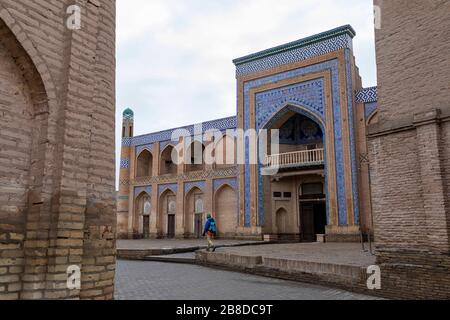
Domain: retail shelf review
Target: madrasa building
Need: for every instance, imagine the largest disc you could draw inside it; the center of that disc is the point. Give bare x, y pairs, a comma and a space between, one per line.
310, 93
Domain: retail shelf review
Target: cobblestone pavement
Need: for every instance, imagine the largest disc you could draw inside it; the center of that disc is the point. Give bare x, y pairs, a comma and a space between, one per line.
337, 253
137, 280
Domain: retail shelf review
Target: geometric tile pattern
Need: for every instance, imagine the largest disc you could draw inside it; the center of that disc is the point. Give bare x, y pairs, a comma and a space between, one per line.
162, 188
308, 93
125, 163
188, 186
367, 95
313, 107
139, 190
188, 176
339, 38
148, 147
369, 109
220, 124
218, 183
353, 159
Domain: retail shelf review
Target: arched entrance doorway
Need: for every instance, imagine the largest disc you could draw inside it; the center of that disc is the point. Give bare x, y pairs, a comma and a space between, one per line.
282, 221
167, 164
167, 215
194, 213
142, 215
225, 207
297, 168
144, 166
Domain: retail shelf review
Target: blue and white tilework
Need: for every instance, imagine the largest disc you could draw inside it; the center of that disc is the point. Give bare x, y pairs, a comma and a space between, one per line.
310, 102
295, 55
188, 186
166, 136
148, 147
163, 187
218, 183
125, 163
354, 167
367, 95
139, 190
369, 109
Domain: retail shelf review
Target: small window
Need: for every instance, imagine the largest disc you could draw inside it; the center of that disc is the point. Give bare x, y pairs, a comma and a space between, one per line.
287, 195
277, 194
312, 189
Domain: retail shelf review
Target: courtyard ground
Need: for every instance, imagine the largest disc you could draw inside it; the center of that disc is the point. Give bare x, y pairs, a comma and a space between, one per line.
139, 249
148, 244
350, 254
141, 280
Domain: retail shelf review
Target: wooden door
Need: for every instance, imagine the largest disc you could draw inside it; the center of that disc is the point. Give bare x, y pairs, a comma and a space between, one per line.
146, 227
171, 226
198, 225
307, 222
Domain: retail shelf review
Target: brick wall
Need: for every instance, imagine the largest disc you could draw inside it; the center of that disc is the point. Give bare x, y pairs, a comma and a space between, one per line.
409, 149
57, 106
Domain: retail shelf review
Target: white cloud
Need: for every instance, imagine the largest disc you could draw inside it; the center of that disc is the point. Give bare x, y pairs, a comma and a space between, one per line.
174, 56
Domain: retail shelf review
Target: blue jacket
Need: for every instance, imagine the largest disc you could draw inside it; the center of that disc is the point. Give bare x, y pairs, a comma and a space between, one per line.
207, 225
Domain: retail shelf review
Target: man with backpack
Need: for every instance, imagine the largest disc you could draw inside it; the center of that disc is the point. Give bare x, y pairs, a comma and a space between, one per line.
210, 232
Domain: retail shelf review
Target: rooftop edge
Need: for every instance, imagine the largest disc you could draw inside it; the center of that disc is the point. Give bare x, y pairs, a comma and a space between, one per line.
347, 29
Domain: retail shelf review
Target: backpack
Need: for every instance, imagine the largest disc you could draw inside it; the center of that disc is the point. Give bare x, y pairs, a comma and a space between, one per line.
213, 226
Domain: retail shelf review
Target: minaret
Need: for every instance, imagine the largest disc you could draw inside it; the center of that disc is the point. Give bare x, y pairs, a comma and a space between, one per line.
123, 198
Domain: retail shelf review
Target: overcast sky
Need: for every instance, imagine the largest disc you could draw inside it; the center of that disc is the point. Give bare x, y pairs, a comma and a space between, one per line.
174, 56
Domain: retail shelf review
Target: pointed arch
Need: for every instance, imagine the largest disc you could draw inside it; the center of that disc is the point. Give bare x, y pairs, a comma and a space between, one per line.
194, 158
143, 211
372, 118
144, 164
26, 111
194, 212
226, 210
167, 210
225, 151
26, 44
281, 218
167, 164
288, 110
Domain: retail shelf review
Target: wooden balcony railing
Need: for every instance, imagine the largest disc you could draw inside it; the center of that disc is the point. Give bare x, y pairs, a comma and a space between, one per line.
296, 159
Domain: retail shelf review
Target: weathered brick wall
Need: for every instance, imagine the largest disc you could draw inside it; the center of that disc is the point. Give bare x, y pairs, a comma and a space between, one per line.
57, 107
409, 149
413, 40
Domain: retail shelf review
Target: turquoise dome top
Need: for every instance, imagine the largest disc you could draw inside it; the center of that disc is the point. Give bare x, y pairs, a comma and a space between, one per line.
128, 114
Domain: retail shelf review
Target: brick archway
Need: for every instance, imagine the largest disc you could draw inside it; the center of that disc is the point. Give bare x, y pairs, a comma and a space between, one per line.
25, 121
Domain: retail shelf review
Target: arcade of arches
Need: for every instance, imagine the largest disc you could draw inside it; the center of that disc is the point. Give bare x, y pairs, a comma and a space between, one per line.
314, 186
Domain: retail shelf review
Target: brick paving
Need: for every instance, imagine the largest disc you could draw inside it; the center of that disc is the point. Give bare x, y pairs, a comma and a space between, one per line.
138, 280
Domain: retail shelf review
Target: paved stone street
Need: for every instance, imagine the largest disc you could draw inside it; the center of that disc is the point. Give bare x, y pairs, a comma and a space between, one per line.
136, 280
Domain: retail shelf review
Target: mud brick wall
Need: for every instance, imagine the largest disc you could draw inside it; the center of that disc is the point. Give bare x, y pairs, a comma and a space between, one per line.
57, 119
410, 149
